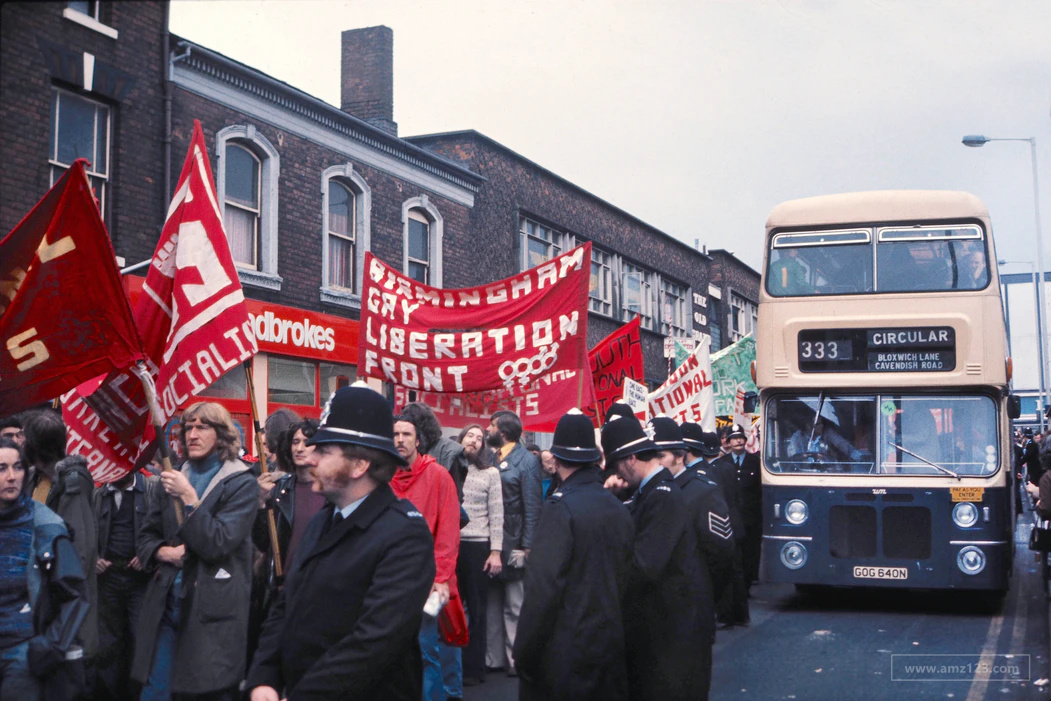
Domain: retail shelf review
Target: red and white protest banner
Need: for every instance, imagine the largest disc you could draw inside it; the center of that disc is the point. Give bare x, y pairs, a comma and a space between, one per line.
613, 359
539, 406
507, 334
688, 395
192, 319
64, 318
744, 420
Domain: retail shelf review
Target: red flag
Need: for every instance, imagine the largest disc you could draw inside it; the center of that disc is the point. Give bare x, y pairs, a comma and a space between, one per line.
503, 335
63, 315
192, 317
615, 357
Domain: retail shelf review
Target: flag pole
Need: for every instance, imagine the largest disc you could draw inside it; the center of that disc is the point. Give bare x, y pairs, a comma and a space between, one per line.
271, 522
158, 427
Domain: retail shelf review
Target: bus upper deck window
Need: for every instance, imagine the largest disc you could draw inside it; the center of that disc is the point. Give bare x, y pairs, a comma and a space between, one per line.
820, 263
931, 259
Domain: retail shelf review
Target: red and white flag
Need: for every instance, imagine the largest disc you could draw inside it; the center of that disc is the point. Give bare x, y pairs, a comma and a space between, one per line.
64, 317
193, 322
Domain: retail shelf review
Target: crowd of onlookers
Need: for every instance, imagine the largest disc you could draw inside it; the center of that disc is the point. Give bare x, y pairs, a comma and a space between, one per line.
1032, 460
301, 574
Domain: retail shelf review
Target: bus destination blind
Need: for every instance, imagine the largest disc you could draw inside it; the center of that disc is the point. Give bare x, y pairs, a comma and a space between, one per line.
895, 349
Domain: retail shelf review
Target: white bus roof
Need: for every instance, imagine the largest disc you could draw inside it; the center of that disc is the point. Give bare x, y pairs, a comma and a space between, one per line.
877, 206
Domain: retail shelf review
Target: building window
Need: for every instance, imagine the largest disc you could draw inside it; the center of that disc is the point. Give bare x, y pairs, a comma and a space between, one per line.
715, 323
291, 382
86, 7
600, 291
340, 231
673, 309
539, 243
346, 205
80, 128
743, 316
333, 376
242, 210
422, 247
247, 176
638, 294
419, 256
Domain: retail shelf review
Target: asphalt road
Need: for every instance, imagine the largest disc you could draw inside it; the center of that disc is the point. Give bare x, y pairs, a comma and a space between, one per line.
848, 644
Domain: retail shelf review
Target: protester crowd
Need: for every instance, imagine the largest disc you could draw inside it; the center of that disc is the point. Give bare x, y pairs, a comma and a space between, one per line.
368, 556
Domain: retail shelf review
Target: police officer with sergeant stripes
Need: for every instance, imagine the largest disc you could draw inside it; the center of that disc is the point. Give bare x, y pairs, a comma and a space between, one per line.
702, 456
708, 510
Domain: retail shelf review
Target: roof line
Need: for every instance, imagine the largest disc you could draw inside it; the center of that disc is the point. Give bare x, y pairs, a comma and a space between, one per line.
556, 176
370, 133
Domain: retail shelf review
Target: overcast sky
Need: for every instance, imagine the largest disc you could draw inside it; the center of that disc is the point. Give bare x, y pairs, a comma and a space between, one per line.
700, 116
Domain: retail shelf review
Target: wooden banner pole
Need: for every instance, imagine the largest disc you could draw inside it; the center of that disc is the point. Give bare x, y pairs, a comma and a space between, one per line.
271, 521
158, 428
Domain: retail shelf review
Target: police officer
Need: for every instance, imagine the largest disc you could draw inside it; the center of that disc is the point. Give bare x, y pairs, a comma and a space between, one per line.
345, 625
668, 622
570, 642
702, 457
746, 466
708, 510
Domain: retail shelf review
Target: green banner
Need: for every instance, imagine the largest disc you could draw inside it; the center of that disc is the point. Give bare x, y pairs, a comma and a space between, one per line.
732, 366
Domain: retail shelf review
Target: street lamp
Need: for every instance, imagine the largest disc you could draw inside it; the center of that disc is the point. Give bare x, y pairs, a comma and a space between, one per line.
977, 141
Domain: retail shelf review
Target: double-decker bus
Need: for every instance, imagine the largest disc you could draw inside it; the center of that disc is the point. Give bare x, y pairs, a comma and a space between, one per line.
884, 382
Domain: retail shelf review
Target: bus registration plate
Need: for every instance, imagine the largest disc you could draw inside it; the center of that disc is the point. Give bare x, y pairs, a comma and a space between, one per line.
861, 572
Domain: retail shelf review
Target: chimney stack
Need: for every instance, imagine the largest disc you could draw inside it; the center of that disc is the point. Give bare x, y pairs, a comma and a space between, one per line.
367, 79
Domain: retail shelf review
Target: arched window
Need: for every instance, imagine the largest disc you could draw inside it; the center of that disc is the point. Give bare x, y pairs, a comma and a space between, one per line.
246, 177
423, 241
346, 204
241, 211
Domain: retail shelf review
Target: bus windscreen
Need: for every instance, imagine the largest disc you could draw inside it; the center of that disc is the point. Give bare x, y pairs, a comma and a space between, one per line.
882, 434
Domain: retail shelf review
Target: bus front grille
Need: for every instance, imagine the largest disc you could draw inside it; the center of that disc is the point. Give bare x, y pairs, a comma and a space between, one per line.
907, 532
852, 531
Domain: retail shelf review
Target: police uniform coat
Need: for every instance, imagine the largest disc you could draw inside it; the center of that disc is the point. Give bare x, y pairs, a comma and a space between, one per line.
217, 580
522, 488
669, 623
345, 625
711, 526
724, 474
570, 641
749, 483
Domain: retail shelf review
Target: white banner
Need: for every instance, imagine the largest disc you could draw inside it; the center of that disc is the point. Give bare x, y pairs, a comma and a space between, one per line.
635, 396
688, 395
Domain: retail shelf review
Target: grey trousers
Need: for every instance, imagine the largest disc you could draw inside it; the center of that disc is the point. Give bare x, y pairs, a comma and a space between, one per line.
502, 609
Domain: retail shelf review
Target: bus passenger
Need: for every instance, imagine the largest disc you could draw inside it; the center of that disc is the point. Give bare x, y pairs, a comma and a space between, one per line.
788, 276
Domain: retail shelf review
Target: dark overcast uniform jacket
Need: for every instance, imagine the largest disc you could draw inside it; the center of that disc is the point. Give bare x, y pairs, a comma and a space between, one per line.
570, 640
669, 625
345, 625
711, 526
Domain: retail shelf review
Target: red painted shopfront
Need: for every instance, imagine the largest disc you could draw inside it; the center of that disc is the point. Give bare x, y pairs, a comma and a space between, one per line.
304, 356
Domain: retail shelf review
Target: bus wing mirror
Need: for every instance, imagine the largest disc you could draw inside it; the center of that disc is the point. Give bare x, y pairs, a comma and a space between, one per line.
750, 400
1014, 406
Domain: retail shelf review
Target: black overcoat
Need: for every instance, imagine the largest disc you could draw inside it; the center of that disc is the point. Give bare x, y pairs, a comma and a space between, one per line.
346, 624
669, 624
217, 580
570, 639
711, 526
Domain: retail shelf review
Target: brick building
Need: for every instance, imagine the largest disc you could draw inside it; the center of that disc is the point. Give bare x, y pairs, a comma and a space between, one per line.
307, 188
733, 303
527, 214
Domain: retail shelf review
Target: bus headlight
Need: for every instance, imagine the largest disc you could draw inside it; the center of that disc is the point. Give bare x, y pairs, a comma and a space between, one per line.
796, 511
965, 514
793, 555
971, 560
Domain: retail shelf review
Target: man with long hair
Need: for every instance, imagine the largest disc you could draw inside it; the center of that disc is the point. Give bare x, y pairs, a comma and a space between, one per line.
193, 626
